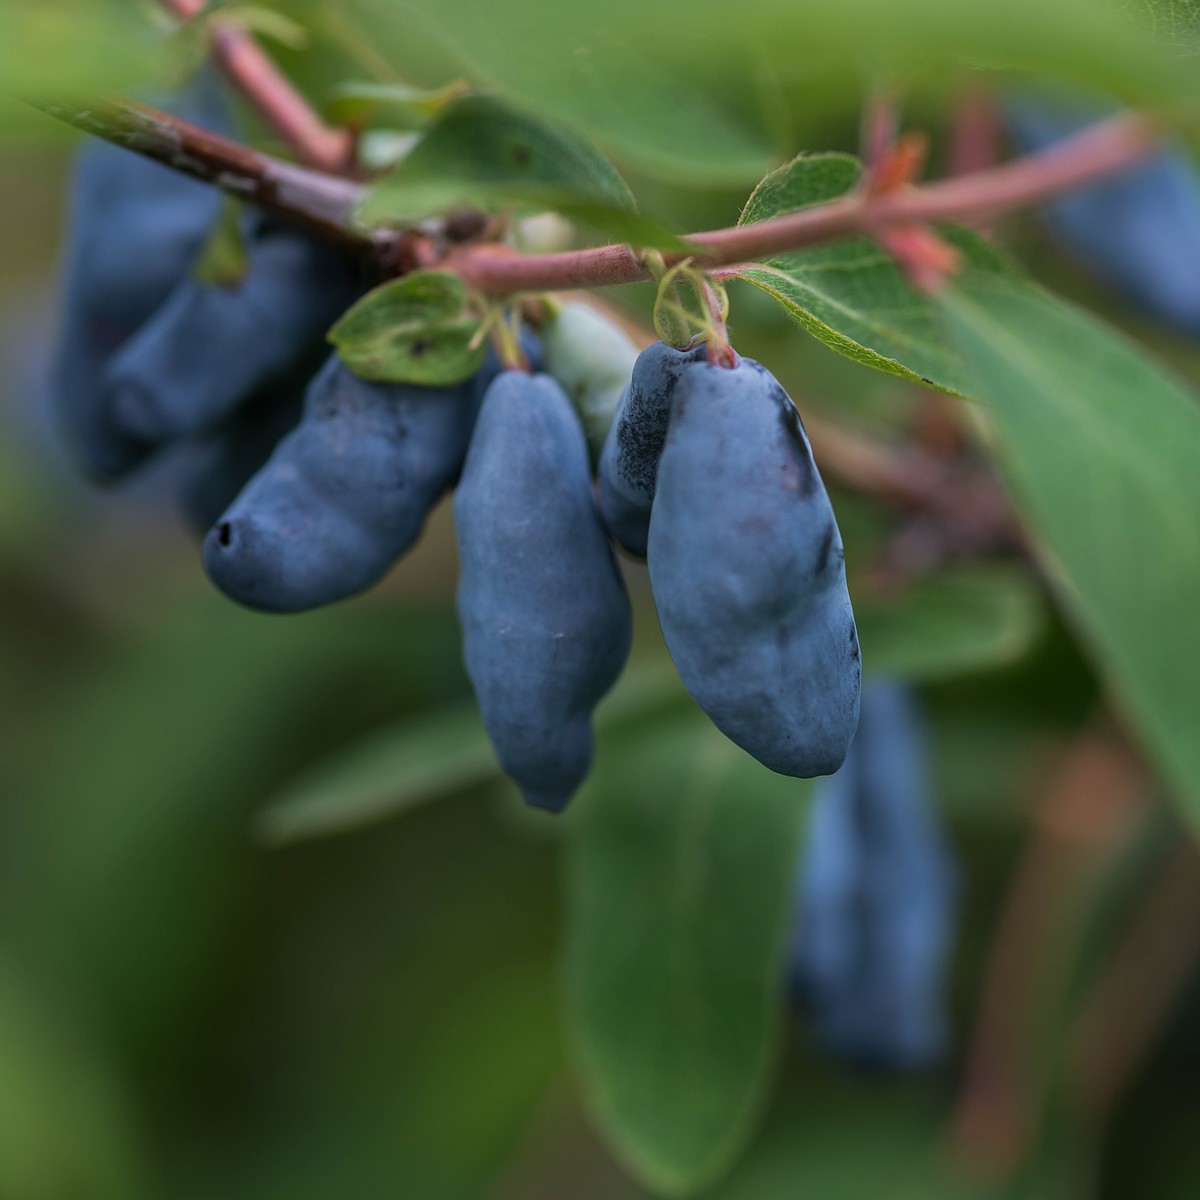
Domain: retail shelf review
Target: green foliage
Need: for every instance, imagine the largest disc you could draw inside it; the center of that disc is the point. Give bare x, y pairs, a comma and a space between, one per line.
222, 259
1099, 445
389, 105
483, 153
430, 757
415, 329
953, 623
66, 1125
679, 884
849, 293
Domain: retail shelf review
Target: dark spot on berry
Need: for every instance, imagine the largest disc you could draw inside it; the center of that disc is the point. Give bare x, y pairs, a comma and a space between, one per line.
224, 533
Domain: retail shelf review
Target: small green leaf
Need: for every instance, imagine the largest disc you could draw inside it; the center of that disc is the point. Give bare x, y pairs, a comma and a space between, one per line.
389, 104
222, 261
483, 153
1101, 449
849, 294
416, 329
679, 885
967, 619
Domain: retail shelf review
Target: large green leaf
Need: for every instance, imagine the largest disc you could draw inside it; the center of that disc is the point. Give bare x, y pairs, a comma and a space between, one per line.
482, 152
679, 885
693, 88
1101, 448
849, 293
967, 619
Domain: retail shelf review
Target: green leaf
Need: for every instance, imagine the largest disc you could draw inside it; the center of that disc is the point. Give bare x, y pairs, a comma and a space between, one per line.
382, 776
849, 294
483, 153
393, 105
679, 885
426, 758
959, 621
222, 261
67, 1127
264, 22
1101, 449
416, 329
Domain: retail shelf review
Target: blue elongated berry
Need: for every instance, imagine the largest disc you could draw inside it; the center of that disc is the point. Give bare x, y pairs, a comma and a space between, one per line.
1139, 231
545, 617
629, 461
134, 228
748, 573
226, 459
876, 898
345, 493
209, 349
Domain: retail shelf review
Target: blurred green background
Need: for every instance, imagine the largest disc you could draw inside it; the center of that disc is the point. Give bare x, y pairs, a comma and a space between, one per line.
197, 1000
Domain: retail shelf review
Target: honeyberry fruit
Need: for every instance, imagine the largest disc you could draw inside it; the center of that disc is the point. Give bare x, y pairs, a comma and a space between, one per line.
545, 617
748, 572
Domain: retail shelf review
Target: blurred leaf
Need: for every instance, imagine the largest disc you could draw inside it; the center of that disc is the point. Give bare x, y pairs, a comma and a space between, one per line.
831, 1137
66, 1128
679, 884
850, 294
427, 758
1102, 451
222, 259
71, 46
268, 23
416, 329
483, 153
967, 619
600, 75
679, 84
146, 767
390, 104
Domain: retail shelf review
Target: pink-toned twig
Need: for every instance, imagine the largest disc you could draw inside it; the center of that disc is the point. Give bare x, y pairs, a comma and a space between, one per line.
283, 107
1108, 147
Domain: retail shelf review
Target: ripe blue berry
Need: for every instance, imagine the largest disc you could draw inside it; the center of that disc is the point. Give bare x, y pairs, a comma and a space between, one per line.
1139, 231
748, 573
629, 461
346, 493
876, 897
209, 349
134, 228
546, 621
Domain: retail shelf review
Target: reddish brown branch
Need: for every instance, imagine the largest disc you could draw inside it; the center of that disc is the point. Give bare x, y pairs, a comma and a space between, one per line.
1095, 805
1105, 148
327, 202
1138, 990
266, 87
323, 203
